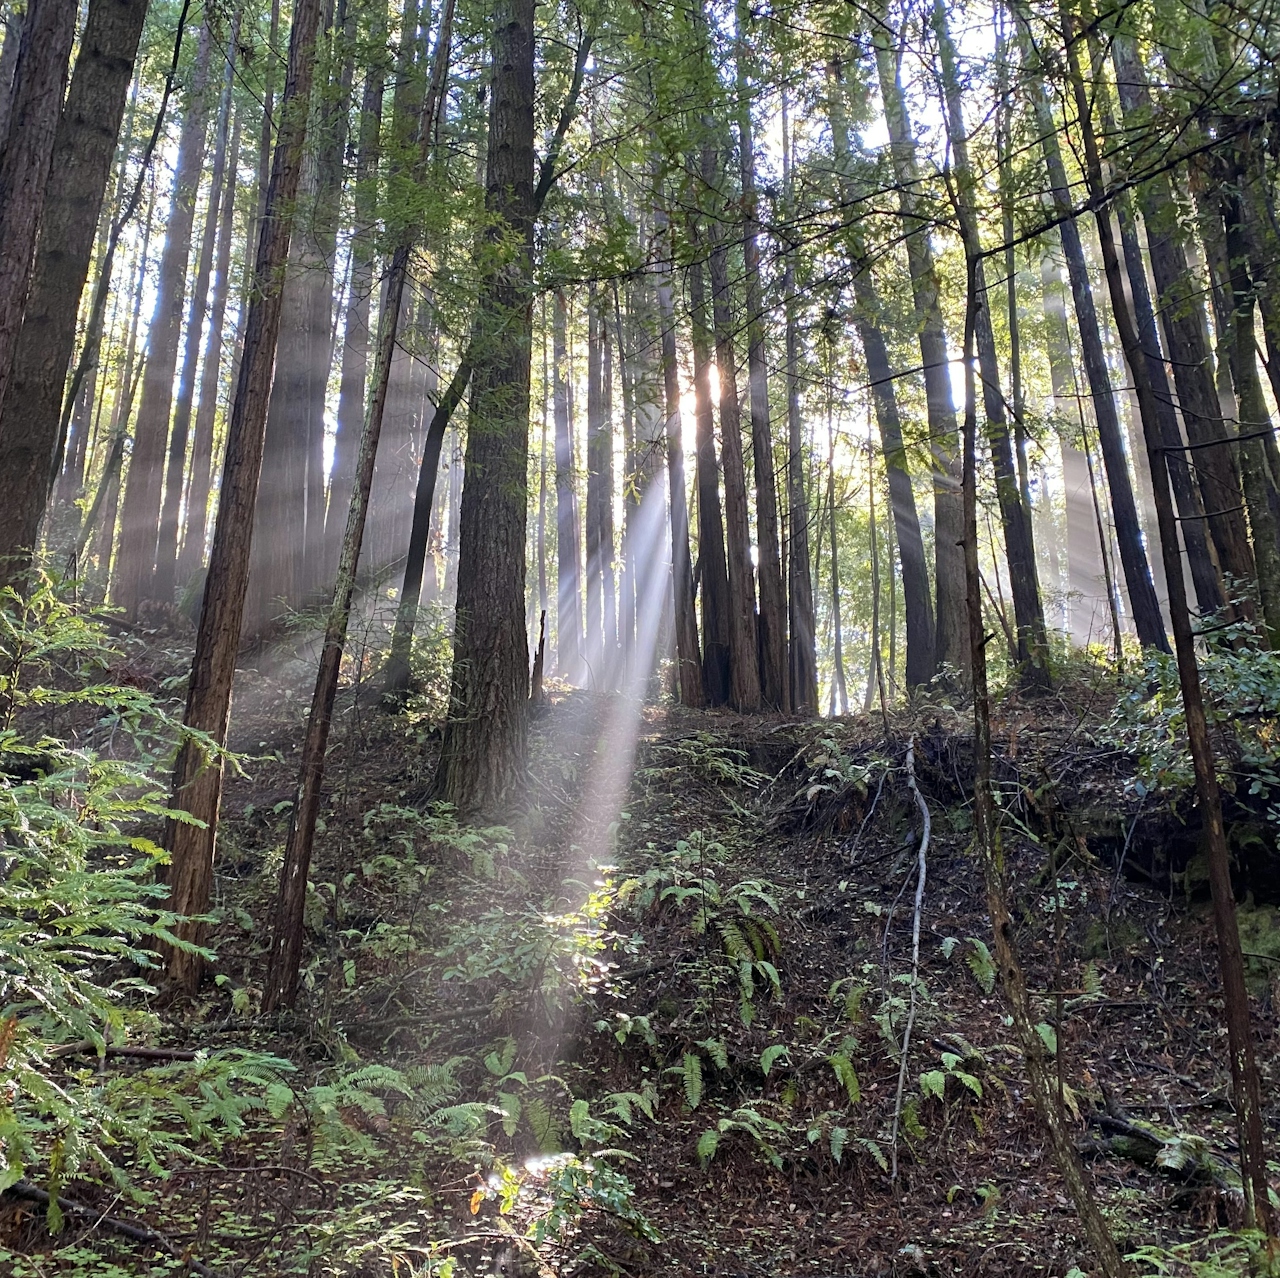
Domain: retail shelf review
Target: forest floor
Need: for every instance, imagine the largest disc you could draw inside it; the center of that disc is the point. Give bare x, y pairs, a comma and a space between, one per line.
693, 948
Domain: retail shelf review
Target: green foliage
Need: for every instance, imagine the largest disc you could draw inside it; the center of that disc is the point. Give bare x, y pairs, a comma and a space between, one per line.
1222, 1255
1241, 682
981, 964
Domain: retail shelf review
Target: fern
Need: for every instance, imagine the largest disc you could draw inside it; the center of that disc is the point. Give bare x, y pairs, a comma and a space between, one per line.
982, 965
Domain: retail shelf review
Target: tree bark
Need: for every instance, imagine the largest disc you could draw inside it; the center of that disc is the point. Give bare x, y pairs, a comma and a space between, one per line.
744, 665
191, 557
482, 763
286, 944
355, 348
1032, 649
712, 571
197, 780
950, 646
1137, 571
170, 512
772, 618
921, 663
802, 666
396, 676
568, 556
689, 662
143, 491
1254, 420
83, 149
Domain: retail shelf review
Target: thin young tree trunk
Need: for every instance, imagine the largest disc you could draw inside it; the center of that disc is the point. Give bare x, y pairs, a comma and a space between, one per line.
143, 491
191, 557
167, 544
712, 571
355, 348
78, 168
197, 779
802, 666
568, 558
772, 619
397, 675
1255, 419
540, 535
689, 662
839, 689
986, 842
598, 439
950, 647
286, 943
918, 603
1032, 652
1137, 572
873, 647
1235, 996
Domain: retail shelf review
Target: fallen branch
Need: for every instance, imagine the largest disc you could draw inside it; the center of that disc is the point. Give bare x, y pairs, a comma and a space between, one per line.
142, 1053
126, 1229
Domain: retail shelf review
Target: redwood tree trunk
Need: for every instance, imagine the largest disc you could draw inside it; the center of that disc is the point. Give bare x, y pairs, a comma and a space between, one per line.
1133, 558
744, 665
197, 779
482, 762
917, 600
712, 571
568, 556
950, 647
191, 557
83, 148
167, 543
772, 620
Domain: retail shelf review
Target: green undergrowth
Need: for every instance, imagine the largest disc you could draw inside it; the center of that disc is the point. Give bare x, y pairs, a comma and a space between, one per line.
558, 1030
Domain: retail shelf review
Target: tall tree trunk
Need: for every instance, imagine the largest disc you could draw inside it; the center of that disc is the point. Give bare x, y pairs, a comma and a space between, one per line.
286, 943
712, 571
744, 665
167, 544
917, 600
482, 762
355, 347
140, 509
839, 689
13, 24
1255, 421
80, 164
197, 779
772, 619
987, 844
1032, 651
1133, 558
568, 556
689, 663
950, 646
1244, 1072
396, 676
40, 76
599, 440
191, 557
802, 665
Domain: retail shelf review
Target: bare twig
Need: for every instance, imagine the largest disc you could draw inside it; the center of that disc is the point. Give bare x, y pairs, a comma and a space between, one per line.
126, 1229
915, 950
